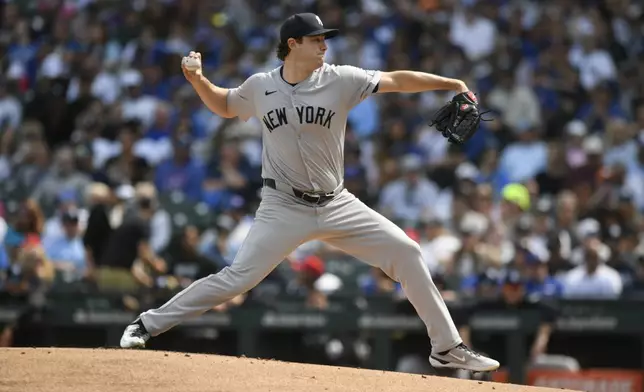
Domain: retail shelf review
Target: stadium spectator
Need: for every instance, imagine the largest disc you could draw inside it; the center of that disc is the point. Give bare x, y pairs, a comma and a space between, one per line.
595, 64
25, 228
411, 196
28, 156
62, 176
160, 224
128, 254
468, 22
66, 250
30, 274
181, 172
229, 173
593, 278
551, 180
438, 245
634, 181
98, 229
242, 217
313, 282
539, 283
214, 242
518, 104
127, 163
184, 260
524, 158
66, 200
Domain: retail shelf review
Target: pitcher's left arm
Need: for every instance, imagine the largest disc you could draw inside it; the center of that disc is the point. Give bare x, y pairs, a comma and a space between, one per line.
416, 82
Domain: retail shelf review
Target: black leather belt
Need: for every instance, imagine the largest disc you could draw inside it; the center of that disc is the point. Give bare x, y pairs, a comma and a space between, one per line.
313, 198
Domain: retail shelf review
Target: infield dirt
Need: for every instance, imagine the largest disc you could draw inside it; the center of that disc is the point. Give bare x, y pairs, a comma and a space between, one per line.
112, 370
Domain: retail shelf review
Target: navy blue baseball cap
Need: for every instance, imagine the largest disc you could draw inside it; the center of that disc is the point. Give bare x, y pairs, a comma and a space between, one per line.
513, 277
304, 25
71, 215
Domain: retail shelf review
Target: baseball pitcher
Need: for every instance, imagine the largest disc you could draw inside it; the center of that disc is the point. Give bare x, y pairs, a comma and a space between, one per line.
303, 107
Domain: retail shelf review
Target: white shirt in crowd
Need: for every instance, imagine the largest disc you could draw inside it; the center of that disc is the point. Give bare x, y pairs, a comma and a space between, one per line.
434, 145
142, 108
53, 227
461, 34
237, 237
10, 111
105, 87
439, 252
635, 185
3, 229
623, 154
154, 151
160, 230
604, 283
518, 105
594, 67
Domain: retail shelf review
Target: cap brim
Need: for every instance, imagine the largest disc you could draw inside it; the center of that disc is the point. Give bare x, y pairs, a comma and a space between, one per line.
328, 33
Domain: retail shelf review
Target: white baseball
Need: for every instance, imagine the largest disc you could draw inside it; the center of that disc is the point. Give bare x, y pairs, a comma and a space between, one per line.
191, 63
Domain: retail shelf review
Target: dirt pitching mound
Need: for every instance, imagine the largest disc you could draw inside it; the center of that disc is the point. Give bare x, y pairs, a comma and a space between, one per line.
112, 370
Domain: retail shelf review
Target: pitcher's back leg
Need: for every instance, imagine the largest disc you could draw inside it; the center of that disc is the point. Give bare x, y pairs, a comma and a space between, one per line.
358, 230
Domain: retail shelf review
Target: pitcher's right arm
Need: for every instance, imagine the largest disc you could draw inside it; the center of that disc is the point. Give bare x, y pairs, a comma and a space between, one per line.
224, 102
214, 97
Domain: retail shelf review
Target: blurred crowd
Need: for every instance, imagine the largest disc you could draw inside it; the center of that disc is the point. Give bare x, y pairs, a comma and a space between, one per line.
114, 174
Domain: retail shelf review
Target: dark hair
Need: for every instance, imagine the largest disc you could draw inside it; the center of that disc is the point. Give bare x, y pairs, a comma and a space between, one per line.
34, 218
146, 203
283, 50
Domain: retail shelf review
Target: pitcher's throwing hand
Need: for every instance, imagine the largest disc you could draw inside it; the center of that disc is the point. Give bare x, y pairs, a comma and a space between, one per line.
191, 66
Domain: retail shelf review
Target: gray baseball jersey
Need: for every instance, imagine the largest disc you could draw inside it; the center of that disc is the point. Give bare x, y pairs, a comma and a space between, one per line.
303, 137
304, 125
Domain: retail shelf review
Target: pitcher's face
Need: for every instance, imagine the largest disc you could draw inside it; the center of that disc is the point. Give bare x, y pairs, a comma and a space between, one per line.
311, 50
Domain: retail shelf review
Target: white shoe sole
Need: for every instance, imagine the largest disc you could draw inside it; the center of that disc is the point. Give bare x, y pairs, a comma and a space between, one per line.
451, 365
133, 345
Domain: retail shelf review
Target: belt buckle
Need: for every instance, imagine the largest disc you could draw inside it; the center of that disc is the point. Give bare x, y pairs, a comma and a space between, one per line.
313, 196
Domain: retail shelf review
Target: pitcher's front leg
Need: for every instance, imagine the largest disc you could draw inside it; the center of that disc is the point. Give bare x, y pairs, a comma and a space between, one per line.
278, 229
